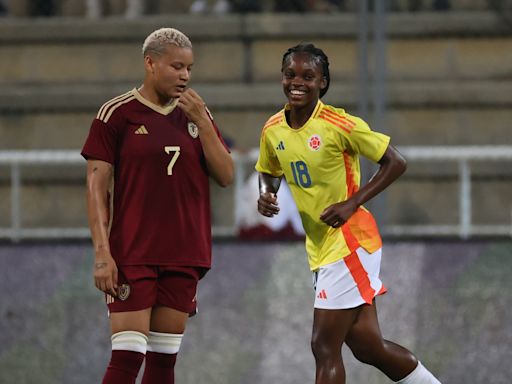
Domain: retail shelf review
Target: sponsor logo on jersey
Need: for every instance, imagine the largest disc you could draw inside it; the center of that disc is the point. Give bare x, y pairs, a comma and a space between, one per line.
280, 146
322, 295
315, 142
123, 292
193, 130
141, 130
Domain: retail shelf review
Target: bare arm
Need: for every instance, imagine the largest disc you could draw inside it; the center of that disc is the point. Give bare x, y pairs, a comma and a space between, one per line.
99, 174
218, 159
267, 202
392, 165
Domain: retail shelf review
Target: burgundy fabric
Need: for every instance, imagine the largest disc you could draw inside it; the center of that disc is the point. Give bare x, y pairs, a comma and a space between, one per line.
123, 367
159, 219
149, 286
159, 368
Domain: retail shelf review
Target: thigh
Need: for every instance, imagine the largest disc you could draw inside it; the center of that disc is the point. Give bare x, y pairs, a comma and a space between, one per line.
330, 326
365, 332
168, 320
131, 321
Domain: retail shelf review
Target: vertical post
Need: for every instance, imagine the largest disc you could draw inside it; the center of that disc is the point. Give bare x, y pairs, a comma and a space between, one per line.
379, 95
465, 199
379, 91
362, 59
15, 202
247, 75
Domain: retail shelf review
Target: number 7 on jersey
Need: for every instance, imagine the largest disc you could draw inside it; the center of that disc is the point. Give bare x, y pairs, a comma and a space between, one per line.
176, 153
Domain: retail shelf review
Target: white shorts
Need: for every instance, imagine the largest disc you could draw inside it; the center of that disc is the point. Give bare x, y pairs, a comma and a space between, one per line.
350, 282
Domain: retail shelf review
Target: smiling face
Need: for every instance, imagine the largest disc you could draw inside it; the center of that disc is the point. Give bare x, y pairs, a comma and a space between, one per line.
302, 80
169, 72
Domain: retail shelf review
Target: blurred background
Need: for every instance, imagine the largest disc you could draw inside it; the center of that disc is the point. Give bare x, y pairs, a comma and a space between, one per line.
435, 75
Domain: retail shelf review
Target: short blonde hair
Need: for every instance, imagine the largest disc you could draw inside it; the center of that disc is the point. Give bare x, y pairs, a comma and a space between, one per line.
158, 40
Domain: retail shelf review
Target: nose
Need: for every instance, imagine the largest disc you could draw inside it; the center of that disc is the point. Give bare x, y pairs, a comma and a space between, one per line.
296, 81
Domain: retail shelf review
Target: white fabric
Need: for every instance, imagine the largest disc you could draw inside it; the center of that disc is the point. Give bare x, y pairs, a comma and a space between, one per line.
129, 341
164, 342
248, 216
420, 375
335, 288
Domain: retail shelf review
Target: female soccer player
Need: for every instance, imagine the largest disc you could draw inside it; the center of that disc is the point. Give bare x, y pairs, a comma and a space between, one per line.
155, 146
316, 148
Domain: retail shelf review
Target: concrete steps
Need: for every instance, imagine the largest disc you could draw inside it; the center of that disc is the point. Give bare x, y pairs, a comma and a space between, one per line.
449, 83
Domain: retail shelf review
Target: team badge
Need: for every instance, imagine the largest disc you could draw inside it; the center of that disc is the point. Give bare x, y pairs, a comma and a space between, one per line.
314, 142
193, 130
123, 292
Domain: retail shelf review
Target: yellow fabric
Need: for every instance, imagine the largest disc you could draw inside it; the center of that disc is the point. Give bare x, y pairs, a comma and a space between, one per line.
320, 162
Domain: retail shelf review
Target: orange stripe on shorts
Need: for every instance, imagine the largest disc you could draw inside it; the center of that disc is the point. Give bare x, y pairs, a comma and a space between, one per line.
360, 277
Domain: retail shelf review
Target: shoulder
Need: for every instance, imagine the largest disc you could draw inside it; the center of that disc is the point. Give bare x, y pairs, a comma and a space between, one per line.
339, 119
112, 106
274, 121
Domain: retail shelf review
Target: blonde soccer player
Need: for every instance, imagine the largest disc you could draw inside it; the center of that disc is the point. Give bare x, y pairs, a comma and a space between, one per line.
157, 145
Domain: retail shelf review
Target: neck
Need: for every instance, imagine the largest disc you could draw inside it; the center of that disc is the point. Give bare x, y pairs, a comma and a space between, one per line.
150, 94
300, 116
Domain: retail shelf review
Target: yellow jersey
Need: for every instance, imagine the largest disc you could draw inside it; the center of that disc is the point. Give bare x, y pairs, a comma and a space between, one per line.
320, 162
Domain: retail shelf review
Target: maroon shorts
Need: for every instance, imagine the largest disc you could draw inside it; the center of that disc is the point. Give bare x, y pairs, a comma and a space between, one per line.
146, 286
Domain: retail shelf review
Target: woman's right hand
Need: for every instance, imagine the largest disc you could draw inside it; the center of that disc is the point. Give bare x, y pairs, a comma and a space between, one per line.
105, 273
267, 204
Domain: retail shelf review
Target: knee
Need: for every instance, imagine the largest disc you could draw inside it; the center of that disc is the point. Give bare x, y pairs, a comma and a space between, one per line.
321, 348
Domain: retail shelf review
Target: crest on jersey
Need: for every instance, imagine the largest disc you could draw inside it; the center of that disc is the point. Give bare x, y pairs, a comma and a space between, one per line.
314, 142
123, 292
193, 130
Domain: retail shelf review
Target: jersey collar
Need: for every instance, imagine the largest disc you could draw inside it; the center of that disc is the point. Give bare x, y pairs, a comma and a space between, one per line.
154, 107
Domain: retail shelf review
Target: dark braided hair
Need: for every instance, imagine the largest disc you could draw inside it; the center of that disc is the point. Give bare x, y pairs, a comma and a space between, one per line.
318, 56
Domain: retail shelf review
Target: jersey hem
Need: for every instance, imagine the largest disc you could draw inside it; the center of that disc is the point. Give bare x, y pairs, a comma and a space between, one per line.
159, 263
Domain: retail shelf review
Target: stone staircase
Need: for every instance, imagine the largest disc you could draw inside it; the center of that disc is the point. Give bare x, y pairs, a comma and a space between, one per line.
449, 83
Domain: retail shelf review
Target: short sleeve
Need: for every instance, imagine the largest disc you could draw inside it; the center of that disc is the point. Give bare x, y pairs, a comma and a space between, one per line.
267, 159
101, 142
362, 140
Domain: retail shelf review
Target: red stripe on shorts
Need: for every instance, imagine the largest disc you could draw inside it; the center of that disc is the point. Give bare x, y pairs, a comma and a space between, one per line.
360, 277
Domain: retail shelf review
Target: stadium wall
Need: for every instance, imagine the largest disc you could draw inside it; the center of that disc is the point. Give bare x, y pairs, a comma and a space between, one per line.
448, 301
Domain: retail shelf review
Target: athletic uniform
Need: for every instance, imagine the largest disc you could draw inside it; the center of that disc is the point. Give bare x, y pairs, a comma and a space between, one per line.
160, 234
320, 162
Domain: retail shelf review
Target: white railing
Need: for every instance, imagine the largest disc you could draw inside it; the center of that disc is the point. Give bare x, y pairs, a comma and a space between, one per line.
463, 156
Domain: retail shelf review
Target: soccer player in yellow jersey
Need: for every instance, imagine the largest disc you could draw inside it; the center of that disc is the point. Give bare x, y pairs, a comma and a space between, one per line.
316, 148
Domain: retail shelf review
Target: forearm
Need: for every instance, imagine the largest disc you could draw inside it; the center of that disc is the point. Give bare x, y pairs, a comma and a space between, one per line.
268, 183
98, 211
392, 166
219, 161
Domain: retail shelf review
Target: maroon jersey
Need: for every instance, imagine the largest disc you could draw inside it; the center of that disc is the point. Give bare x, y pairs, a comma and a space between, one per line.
161, 199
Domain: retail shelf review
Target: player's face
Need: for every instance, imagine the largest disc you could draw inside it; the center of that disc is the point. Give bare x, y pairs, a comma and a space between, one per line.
171, 71
302, 80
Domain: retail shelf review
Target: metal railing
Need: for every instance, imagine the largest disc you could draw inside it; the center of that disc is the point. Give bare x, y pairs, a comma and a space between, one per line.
463, 156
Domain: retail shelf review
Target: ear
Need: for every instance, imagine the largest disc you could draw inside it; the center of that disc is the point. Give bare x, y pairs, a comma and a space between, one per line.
323, 83
149, 64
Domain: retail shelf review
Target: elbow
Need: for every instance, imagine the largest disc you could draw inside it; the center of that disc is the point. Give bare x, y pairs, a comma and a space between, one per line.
227, 177
225, 182
402, 165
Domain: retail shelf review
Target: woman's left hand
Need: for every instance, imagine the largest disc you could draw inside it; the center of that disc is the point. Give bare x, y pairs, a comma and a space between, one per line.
337, 214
